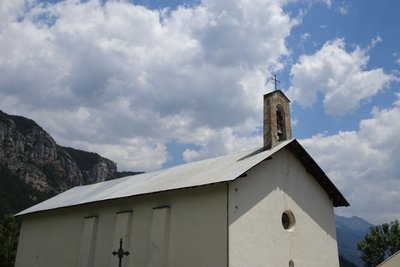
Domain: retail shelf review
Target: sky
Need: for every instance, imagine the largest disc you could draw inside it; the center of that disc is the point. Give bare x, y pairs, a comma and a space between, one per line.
153, 84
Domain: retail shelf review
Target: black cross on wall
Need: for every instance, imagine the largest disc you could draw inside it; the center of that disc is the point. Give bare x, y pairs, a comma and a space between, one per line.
120, 253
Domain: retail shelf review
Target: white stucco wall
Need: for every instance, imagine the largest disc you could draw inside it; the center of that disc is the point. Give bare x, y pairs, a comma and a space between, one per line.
197, 230
256, 204
393, 261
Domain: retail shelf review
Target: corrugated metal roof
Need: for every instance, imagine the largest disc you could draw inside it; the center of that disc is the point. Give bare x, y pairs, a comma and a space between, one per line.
210, 171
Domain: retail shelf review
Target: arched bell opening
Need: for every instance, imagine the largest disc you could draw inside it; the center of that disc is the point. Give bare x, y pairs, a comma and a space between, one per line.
280, 123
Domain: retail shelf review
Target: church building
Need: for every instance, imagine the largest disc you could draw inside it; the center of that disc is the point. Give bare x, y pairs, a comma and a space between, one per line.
270, 206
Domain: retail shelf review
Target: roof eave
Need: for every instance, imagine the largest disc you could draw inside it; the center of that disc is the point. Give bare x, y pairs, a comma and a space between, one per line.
313, 168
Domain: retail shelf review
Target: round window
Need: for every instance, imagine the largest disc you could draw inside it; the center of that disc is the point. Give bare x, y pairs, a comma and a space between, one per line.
288, 220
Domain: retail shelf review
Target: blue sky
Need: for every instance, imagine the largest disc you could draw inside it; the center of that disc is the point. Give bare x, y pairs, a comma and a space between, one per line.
152, 84
358, 23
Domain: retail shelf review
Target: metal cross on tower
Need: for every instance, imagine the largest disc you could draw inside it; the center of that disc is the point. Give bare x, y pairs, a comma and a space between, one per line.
120, 253
276, 81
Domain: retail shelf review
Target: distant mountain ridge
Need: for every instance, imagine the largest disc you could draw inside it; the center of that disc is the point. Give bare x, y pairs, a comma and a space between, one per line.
343, 262
34, 167
349, 231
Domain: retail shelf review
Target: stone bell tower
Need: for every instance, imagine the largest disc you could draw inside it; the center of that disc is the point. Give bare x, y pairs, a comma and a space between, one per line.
277, 126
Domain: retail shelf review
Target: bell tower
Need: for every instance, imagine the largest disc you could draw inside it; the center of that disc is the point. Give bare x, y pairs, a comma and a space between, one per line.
277, 127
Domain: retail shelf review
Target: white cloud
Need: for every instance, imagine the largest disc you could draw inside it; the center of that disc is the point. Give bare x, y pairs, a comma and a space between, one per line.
343, 8
365, 164
397, 58
115, 77
340, 76
221, 142
304, 37
327, 2
375, 41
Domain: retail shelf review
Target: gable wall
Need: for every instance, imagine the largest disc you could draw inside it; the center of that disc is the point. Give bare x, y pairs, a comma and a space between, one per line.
393, 261
192, 231
256, 204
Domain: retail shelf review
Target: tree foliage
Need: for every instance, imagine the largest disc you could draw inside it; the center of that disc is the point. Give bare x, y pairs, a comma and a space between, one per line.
9, 233
381, 242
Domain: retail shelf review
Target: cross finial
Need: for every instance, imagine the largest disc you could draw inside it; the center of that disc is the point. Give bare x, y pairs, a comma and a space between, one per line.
120, 253
276, 81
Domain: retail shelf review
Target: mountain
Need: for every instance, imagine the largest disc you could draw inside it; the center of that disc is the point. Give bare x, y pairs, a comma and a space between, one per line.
345, 263
33, 167
349, 231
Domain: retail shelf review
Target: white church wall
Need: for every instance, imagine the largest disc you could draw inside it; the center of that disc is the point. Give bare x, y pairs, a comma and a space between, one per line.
122, 230
88, 242
201, 238
256, 204
159, 237
49, 239
197, 231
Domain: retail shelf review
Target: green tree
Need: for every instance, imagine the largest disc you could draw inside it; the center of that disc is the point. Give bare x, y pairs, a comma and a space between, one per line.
381, 242
9, 232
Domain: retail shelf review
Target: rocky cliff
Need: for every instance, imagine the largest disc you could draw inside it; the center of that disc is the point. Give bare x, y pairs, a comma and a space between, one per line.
30, 153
